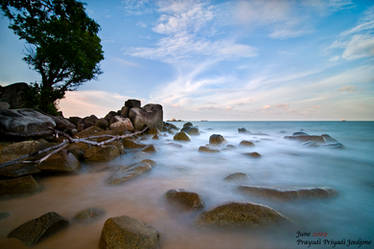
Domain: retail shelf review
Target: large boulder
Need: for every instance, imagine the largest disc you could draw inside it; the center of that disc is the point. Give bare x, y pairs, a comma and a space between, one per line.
129, 144
25, 123
63, 124
184, 199
18, 186
102, 123
34, 230
287, 194
315, 140
181, 136
241, 214
15, 94
125, 173
216, 139
128, 233
132, 103
87, 122
122, 124
64, 161
150, 115
102, 153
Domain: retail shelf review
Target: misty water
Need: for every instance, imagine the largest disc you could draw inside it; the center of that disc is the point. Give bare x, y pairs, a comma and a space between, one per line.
284, 164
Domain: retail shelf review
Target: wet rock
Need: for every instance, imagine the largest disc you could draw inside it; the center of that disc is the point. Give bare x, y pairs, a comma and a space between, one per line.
125, 173
188, 124
122, 124
150, 115
89, 214
128, 144
307, 193
315, 141
306, 138
207, 149
90, 131
253, 154
300, 133
230, 146
149, 148
193, 131
75, 120
18, 186
181, 136
124, 232
63, 161
216, 139
152, 131
19, 169
170, 126
25, 123
102, 153
246, 143
184, 199
236, 177
175, 145
242, 130
241, 214
102, 123
132, 103
34, 230
155, 137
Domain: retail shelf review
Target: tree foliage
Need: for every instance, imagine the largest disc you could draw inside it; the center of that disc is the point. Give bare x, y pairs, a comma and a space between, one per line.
63, 45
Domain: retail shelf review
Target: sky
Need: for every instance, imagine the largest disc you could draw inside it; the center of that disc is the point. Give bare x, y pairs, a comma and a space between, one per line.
224, 60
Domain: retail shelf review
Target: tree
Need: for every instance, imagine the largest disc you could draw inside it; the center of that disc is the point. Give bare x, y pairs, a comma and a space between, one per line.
63, 45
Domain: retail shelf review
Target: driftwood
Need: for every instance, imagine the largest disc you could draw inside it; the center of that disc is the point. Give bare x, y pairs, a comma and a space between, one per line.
56, 148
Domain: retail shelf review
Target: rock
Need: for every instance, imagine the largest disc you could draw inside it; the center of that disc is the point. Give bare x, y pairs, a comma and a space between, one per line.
16, 95
4, 105
184, 199
25, 123
306, 138
230, 146
155, 137
102, 153
300, 133
102, 123
19, 169
207, 149
241, 214
75, 120
34, 230
246, 143
63, 161
125, 173
128, 233
193, 131
288, 194
188, 124
181, 136
4, 215
170, 126
89, 214
15, 150
216, 139
132, 103
253, 154
149, 148
122, 125
90, 131
152, 131
63, 124
128, 144
110, 117
17, 186
236, 176
315, 141
125, 111
88, 121
175, 145
150, 115
242, 130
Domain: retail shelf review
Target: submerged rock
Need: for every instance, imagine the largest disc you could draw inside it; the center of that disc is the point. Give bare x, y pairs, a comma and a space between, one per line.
236, 176
253, 154
32, 231
17, 186
184, 199
125, 173
63, 161
193, 131
216, 139
207, 149
246, 143
288, 194
89, 214
181, 136
241, 214
128, 233
315, 141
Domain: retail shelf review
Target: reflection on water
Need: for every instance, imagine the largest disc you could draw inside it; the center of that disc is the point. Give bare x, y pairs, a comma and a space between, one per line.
284, 164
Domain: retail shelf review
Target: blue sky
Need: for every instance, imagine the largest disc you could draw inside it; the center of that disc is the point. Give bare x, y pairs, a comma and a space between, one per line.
225, 60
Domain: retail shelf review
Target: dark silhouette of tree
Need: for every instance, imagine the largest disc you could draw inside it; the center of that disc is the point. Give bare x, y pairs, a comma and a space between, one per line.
63, 45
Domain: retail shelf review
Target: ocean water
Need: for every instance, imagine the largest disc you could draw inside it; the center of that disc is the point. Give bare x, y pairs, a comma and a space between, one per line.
284, 164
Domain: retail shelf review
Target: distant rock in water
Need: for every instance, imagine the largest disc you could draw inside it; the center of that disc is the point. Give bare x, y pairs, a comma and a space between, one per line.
216, 139
125, 232
181, 136
315, 141
246, 143
253, 154
184, 199
241, 215
307, 193
242, 130
149, 148
207, 149
34, 230
236, 176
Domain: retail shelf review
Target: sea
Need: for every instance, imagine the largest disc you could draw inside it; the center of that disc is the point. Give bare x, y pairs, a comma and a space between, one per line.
343, 221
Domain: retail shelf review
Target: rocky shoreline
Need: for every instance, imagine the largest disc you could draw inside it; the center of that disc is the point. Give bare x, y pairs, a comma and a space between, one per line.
91, 139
